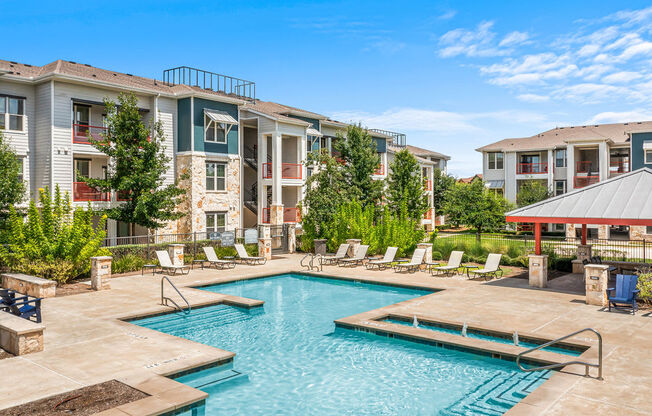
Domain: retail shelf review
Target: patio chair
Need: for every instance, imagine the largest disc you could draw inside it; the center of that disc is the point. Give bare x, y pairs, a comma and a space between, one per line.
213, 260
624, 294
166, 263
247, 259
491, 267
358, 258
385, 262
334, 258
414, 264
454, 263
26, 307
598, 260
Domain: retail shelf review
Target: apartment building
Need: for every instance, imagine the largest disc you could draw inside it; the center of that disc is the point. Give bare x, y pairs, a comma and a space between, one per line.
567, 158
244, 158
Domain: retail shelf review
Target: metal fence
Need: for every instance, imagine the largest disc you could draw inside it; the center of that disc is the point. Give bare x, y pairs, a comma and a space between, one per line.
615, 250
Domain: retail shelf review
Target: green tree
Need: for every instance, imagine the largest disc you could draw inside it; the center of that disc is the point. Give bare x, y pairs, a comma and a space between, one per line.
532, 192
473, 205
12, 188
405, 184
441, 183
136, 168
358, 151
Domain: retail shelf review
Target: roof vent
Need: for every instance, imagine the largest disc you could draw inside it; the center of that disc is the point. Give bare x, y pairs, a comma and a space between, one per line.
73, 62
87, 65
115, 75
14, 62
129, 75
27, 65
94, 76
626, 124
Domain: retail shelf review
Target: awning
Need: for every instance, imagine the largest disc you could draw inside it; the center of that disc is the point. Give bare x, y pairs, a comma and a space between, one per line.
313, 132
220, 117
495, 184
647, 145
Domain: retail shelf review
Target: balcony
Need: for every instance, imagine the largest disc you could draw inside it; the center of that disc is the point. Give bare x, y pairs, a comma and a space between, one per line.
288, 171
266, 216
82, 192
428, 215
380, 170
618, 167
586, 166
81, 133
428, 185
531, 168
290, 215
582, 181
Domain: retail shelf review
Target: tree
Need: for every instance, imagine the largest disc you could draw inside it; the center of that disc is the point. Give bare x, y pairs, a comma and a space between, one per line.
12, 188
473, 205
358, 151
532, 192
441, 183
136, 167
405, 184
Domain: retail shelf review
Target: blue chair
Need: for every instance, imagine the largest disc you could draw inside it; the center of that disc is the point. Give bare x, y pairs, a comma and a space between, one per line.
624, 294
22, 306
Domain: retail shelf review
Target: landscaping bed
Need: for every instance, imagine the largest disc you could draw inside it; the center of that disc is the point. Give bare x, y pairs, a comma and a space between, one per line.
81, 402
5, 354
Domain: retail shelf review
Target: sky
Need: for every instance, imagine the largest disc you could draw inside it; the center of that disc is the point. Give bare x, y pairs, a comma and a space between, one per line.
452, 75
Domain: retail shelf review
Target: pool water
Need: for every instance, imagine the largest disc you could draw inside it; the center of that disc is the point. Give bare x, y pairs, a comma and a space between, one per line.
291, 360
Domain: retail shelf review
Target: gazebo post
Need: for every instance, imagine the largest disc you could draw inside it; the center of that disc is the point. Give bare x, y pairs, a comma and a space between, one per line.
584, 234
537, 238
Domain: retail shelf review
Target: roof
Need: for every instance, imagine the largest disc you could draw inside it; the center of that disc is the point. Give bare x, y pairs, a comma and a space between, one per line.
93, 74
560, 136
470, 179
419, 151
281, 112
622, 200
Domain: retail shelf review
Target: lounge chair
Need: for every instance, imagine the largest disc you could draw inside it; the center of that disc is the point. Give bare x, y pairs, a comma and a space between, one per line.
246, 258
213, 260
598, 260
26, 307
166, 264
414, 264
358, 258
624, 294
385, 262
454, 263
491, 267
334, 258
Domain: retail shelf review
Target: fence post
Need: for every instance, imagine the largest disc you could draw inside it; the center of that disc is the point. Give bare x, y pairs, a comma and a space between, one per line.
644, 258
194, 244
147, 255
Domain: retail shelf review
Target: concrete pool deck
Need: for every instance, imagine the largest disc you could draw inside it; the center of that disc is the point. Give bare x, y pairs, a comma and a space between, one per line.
87, 341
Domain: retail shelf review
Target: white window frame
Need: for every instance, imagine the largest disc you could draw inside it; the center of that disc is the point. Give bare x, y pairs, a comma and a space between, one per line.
648, 160
565, 162
6, 116
21, 160
495, 161
221, 126
215, 176
565, 187
74, 167
215, 228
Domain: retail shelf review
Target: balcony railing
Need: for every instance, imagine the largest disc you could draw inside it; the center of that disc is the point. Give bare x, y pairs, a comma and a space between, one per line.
380, 170
82, 132
585, 166
267, 171
428, 215
582, 181
82, 192
288, 171
225, 84
291, 214
532, 168
617, 167
266, 216
428, 185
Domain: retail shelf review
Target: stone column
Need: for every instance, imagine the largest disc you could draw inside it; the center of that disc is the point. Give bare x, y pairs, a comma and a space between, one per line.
292, 238
428, 246
603, 232
265, 247
176, 254
538, 266
584, 252
596, 277
320, 246
101, 272
265, 231
354, 243
276, 214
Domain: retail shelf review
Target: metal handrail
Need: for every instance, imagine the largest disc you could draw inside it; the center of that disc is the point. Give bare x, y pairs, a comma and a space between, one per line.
311, 264
554, 341
165, 299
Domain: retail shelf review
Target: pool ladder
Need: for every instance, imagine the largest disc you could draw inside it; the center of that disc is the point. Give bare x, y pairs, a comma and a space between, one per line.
308, 261
554, 341
165, 299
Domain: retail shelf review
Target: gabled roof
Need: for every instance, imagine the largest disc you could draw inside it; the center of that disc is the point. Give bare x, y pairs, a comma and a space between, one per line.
622, 200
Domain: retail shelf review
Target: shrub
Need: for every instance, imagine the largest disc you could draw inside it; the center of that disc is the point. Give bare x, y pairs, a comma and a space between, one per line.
127, 263
645, 286
436, 255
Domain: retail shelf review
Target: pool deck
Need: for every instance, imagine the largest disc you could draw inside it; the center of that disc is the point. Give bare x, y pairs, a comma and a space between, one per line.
87, 341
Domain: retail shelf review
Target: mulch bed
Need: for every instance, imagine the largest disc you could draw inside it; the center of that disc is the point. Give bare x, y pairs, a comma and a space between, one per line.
81, 402
4, 354
73, 288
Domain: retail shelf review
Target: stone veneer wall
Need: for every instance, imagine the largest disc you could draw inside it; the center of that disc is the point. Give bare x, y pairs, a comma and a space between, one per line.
637, 232
198, 201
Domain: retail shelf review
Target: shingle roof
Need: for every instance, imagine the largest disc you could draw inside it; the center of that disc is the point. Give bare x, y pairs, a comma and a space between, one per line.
559, 136
419, 151
624, 197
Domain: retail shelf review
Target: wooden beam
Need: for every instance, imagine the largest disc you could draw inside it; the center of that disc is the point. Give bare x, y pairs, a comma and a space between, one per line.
584, 233
537, 238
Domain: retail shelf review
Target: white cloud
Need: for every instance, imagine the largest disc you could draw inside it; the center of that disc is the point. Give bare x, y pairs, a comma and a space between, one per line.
620, 117
620, 77
514, 38
448, 15
533, 98
476, 42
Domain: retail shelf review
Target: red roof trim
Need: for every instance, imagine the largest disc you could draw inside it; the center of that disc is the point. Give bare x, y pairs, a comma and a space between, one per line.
563, 220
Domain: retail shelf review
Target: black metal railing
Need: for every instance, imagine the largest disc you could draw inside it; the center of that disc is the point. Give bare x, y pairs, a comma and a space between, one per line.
400, 139
193, 77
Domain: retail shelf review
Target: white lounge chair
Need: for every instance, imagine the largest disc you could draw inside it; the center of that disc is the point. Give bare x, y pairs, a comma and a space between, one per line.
358, 258
385, 262
334, 258
246, 258
213, 260
166, 263
491, 267
414, 264
454, 263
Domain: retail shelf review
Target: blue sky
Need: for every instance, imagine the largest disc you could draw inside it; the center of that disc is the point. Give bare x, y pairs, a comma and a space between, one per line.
452, 75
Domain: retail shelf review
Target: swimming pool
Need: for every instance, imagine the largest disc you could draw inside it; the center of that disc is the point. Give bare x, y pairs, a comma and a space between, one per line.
291, 360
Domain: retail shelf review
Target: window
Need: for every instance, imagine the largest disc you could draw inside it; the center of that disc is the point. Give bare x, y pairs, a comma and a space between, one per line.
215, 176
214, 132
648, 229
12, 113
82, 168
560, 187
215, 222
495, 160
648, 157
560, 158
560, 227
21, 175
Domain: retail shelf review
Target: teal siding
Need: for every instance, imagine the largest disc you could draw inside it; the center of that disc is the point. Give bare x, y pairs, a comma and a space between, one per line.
381, 144
183, 125
313, 121
231, 145
638, 154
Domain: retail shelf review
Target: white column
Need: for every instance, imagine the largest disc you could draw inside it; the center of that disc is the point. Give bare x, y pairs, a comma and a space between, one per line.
603, 160
570, 168
277, 168
262, 158
551, 168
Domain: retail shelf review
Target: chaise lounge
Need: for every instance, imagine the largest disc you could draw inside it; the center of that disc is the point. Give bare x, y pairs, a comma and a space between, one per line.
213, 260
414, 264
454, 263
244, 257
334, 258
491, 267
385, 262
166, 264
358, 258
